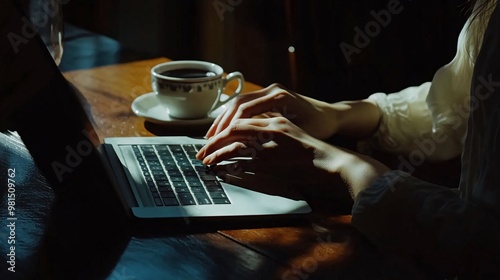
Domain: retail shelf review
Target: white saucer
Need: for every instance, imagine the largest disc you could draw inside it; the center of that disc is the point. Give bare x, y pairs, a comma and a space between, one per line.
148, 107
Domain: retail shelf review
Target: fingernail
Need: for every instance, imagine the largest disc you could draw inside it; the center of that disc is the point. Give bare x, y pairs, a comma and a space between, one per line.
207, 160
199, 155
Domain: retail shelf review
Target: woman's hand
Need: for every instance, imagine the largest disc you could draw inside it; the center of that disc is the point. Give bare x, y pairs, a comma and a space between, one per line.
316, 118
280, 151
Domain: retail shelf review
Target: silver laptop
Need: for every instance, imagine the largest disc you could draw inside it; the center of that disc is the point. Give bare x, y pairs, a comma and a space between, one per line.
159, 177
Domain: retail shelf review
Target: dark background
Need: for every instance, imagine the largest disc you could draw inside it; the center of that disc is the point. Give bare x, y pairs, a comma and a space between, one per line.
253, 37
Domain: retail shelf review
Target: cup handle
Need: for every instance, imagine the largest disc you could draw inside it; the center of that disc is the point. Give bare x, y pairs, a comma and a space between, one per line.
231, 76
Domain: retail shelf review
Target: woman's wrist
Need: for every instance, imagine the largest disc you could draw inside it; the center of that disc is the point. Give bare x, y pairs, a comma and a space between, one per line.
356, 119
361, 171
325, 118
356, 170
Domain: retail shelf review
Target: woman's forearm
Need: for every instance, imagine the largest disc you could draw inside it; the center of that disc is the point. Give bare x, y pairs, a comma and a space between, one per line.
356, 119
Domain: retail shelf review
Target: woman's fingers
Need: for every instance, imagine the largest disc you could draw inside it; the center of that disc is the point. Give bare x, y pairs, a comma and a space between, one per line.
233, 141
245, 107
263, 138
215, 124
249, 105
230, 111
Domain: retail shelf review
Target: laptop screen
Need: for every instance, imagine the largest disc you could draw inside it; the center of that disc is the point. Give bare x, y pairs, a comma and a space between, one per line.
38, 102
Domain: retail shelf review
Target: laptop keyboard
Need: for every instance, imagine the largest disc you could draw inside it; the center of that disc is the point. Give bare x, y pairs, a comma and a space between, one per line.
175, 177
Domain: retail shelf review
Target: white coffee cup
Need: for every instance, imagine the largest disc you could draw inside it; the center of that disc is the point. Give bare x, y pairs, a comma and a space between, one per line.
191, 89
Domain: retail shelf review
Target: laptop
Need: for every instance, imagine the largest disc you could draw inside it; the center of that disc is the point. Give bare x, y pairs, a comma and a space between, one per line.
154, 177
159, 177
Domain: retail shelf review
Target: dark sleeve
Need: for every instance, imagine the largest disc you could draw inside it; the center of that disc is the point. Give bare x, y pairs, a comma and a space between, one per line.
403, 214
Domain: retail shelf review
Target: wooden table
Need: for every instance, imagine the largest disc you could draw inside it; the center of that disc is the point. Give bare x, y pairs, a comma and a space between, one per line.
325, 247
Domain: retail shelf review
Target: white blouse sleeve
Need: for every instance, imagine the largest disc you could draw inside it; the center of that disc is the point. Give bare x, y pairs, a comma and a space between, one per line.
429, 120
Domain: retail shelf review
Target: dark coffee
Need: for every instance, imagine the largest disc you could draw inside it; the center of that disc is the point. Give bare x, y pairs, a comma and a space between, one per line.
187, 73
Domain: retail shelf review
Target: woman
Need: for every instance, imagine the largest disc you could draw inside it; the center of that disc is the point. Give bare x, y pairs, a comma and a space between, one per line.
455, 231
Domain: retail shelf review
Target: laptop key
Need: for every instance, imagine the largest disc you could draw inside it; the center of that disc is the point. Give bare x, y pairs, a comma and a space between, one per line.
179, 156
195, 184
165, 158
154, 163
187, 168
167, 194
174, 173
161, 147
192, 155
165, 189
148, 154
169, 162
179, 184
175, 148
171, 167
208, 178
218, 194
202, 168
182, 190
156, 168
221, 201
155, 194
184, 163
197, 189
212, 184
161, 177
215, 189
202, 198
170, 201
163, 183
176, 179
188, 147
193, 178
206, 172
186, 199
151, 159
189, 173
197, 163
158, 201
